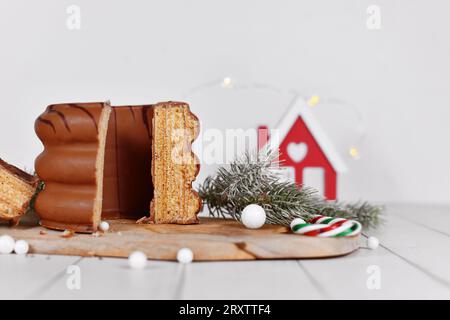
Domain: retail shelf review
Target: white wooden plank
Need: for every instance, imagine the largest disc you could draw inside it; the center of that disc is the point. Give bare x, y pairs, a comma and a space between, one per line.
433, 217
421, 247
28, 277
347, 277
247, 280
112, 279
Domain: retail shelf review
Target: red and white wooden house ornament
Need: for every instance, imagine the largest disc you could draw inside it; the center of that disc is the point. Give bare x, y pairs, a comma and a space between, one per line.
308, 156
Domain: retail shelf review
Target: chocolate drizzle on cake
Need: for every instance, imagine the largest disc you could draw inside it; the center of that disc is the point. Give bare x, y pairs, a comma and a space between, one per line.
82, 108
51, 109
47, 122
131, 108
145, 114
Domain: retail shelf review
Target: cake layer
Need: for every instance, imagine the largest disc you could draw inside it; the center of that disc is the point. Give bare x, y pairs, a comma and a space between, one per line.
174, 166
64, 124
17, 188
72, 165
67, 204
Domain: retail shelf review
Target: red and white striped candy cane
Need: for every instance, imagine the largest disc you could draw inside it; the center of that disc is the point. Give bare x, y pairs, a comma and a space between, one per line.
322, 226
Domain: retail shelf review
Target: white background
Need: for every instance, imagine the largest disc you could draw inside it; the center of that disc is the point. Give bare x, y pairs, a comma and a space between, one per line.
146, 51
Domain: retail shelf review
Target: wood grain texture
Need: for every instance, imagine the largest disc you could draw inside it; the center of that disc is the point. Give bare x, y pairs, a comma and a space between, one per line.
211, 240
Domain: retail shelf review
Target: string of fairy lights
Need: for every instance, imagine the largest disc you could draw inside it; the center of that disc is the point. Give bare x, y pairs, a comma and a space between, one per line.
313, 101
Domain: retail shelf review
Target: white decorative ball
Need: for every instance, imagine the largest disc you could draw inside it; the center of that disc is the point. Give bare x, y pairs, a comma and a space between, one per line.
104, 226
6, 244
373, 243
137, 260
21, 247
185, 256
297, 221
253, 216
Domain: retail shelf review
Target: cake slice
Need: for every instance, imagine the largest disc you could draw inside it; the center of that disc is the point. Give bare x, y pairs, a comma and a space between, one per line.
174, 166
17, 188
72, 165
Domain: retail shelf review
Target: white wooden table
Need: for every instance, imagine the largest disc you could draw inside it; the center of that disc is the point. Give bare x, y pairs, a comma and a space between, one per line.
412, 262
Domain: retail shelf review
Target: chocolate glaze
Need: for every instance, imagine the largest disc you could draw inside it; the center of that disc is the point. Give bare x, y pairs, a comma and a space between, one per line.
69, 133
20, 174
128, 187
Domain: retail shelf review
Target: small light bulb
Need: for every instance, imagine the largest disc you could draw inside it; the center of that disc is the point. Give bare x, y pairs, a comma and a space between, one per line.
354, 152
313, 101
227, 82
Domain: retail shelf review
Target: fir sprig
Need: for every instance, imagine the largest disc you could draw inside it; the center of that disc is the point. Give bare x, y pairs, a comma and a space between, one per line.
255, 178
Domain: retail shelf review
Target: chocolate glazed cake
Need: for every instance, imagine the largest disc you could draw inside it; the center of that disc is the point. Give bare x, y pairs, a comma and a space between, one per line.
17, 188
116, 162
128, 188
72, 165
140, 169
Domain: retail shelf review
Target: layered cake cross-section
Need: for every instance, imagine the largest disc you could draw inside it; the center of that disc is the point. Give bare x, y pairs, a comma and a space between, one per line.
17, 188
174, 165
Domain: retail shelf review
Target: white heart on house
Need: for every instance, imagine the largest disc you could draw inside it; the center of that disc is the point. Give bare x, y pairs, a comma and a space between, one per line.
297, 151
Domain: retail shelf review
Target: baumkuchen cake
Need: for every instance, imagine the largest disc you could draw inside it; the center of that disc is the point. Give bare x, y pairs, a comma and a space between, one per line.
128, 187
137, 174
71, 165
174, 166
16, 191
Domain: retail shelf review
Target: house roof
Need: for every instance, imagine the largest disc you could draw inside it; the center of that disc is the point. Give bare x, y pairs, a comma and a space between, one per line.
301, 109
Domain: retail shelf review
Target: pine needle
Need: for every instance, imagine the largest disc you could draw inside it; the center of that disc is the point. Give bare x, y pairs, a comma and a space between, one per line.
255, 178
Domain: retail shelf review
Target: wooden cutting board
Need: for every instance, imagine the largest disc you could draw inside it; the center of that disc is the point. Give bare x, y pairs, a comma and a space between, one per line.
211, 240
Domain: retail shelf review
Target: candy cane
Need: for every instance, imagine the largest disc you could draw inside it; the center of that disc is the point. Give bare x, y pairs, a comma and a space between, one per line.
325, 227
